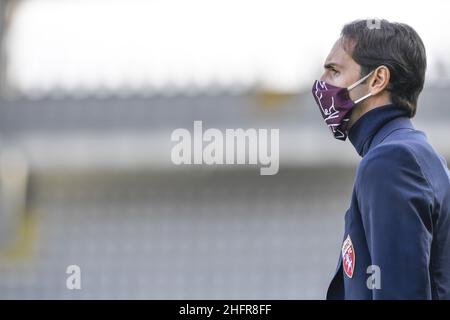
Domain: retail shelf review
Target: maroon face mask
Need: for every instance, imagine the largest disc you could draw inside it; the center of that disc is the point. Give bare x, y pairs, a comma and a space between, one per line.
336, 106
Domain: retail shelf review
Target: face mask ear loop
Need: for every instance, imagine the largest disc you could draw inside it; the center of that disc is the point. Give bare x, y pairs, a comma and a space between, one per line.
360, 81
362, 98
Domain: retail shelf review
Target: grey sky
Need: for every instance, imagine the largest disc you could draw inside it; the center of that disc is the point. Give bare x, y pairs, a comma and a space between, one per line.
91, 44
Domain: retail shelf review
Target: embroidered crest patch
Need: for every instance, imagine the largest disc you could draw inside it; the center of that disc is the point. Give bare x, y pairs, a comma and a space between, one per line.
348, 257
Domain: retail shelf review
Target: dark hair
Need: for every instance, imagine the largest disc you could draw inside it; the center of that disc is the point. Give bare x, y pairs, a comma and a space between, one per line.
395, 45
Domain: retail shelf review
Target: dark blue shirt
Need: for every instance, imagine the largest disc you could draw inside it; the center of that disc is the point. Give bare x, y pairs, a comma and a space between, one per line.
397, 230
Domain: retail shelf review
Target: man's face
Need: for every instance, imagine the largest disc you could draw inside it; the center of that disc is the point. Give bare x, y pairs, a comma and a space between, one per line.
342, 71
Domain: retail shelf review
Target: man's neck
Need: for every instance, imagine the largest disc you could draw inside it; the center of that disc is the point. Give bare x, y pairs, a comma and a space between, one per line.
365, 107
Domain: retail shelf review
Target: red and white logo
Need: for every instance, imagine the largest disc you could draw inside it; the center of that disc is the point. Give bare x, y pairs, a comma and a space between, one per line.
348, 257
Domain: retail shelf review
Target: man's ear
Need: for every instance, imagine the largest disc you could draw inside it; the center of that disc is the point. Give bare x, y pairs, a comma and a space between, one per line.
379, 80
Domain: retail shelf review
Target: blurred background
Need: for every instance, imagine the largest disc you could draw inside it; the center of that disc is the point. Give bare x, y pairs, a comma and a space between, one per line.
90, 92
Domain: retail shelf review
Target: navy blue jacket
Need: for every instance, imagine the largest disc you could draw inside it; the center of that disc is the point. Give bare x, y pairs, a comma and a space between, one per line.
399, 218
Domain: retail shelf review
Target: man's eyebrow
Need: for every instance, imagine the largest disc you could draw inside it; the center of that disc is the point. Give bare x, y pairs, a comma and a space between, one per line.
331, 65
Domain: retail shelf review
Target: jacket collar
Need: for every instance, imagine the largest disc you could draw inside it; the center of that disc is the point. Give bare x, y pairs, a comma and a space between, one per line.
375, 125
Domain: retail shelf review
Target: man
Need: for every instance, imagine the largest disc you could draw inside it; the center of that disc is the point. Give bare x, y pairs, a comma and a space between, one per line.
397, 230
